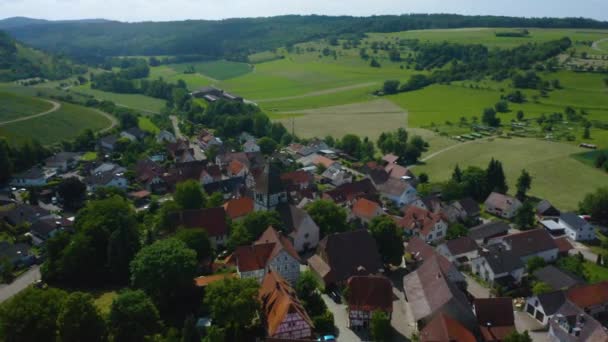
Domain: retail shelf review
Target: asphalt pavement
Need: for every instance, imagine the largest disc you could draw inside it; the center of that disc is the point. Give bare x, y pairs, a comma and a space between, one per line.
23, 281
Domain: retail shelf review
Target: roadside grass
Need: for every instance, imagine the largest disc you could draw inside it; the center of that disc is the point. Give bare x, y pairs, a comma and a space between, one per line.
15, 106
147, 125
64, 124
556, 177
218, 70
135, 101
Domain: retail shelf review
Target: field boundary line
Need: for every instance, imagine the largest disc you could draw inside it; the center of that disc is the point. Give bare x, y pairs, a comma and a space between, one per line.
435, 154
56, 106
319, 92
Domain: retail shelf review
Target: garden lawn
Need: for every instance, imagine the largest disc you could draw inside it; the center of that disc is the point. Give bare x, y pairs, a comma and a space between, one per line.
595, 273
64, 124
562, 180
13, 106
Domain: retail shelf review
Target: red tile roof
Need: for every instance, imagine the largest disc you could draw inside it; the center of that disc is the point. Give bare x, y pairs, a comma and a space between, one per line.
278, 300
350, 191
235, 167
320, 160
586, 296
398, 171
281, 242
370, 293
422, 251
238, 207
212, 220
297, 177
416, 218
366, 209
563, 245
251, 258
445, 329
206, 280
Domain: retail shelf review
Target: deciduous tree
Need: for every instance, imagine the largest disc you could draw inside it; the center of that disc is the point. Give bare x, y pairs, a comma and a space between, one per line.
189, 195
80, 320
328, 216
133, 317
388, 238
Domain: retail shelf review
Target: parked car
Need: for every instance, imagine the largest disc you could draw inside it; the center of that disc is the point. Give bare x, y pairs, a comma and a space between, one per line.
335, 296
327, 338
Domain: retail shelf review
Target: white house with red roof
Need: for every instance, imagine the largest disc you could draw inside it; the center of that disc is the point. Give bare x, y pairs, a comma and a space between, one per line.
420, 222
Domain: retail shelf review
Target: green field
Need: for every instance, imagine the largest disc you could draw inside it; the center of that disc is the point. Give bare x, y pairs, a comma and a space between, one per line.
135, 101
194, 81
65, 123
14, 106
556, 176
147, 125
217, 70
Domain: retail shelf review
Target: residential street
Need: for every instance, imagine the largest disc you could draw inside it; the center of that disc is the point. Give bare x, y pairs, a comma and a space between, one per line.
343, 333
25, 280
198, 154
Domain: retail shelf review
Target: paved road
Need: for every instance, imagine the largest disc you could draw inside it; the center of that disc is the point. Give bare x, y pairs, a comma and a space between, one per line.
56, 106
24, 280
198, 154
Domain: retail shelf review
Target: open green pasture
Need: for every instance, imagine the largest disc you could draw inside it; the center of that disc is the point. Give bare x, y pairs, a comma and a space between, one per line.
14, 106
194, 81
135, 101
218, 70
556, 176
66, 123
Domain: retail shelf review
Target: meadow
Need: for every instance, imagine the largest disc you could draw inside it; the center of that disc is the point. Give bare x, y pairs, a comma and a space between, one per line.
556, 176
64, 124
135, 101
14, 106
216, 70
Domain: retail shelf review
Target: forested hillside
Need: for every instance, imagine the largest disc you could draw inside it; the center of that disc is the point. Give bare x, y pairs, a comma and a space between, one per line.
19, 62
236, 38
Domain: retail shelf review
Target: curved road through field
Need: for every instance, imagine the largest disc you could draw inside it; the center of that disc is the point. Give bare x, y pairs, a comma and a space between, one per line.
56, 106
596, 45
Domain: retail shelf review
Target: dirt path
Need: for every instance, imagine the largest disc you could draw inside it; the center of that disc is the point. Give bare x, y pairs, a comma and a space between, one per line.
596, 45
56, 106
318, 93
435, 154
175, 122
113, 120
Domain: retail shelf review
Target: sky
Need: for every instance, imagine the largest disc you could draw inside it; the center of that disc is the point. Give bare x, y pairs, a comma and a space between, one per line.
164, 10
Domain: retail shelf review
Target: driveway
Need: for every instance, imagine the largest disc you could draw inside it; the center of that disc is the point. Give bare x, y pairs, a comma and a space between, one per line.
524, 322
476, 289
19, 284
343, 332
584, 250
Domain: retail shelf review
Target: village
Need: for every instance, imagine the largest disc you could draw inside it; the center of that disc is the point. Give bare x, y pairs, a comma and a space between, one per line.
463, 270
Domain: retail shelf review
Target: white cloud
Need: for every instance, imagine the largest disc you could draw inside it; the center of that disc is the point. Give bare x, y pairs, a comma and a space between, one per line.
141, 10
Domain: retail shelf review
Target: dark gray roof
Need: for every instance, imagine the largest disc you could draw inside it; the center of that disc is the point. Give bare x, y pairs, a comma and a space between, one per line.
101, 178
22, 213
110, 139
35, 172
461, 245
573, 220
545, 208
269, 181
470, 206
291, 216
136, 132
488, 230
226, 186
557, 278
502, 261
62, 157
13, 252
552, 301
530, 242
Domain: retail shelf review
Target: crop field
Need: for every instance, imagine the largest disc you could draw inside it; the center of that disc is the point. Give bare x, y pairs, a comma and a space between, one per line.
556, 176
135, 101
66, 123
217, 70
14, 106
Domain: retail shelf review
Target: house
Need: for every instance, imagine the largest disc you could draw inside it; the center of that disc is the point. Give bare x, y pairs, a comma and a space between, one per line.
398, 172
532, 243
269, 191
251, 146
430, 293
150, 175
230, 188
283, 315
299, 227
212, 220
365, 210
398, 191
591, 298
206, 140
556, 278
502, 205
459, 251
273, 251
133, 134
576, 228
18, 254
236, 169
342, 255
464, 210
297, 180
543, 306
444, 328
419, 222
106, 179
563, 246
495, 317
180, 151
487, 231
24, 213
35, 176
347, 193
107, 167
212, 94
238, 208
165, 136
63, 161
44, 229
390, 159
366, 295
499, 266
140, 198
572, 324
420, 252
337, 176
245, 136
545, 209
107, 143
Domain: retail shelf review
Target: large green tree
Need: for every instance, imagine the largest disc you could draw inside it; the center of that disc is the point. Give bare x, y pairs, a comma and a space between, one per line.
80, 320
596, 205
6, 164
233, 303
328, 216
388, 238
525, 218
189, 195
197, 240
72, 191
258, 221
31, 315
524, 183
133, 317
164, 270
380, 327
495, 176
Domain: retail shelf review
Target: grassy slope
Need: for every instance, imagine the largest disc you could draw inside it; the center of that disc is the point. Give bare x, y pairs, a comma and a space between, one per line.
135, 101
13, 106
193, 81
549, 163
66, 123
